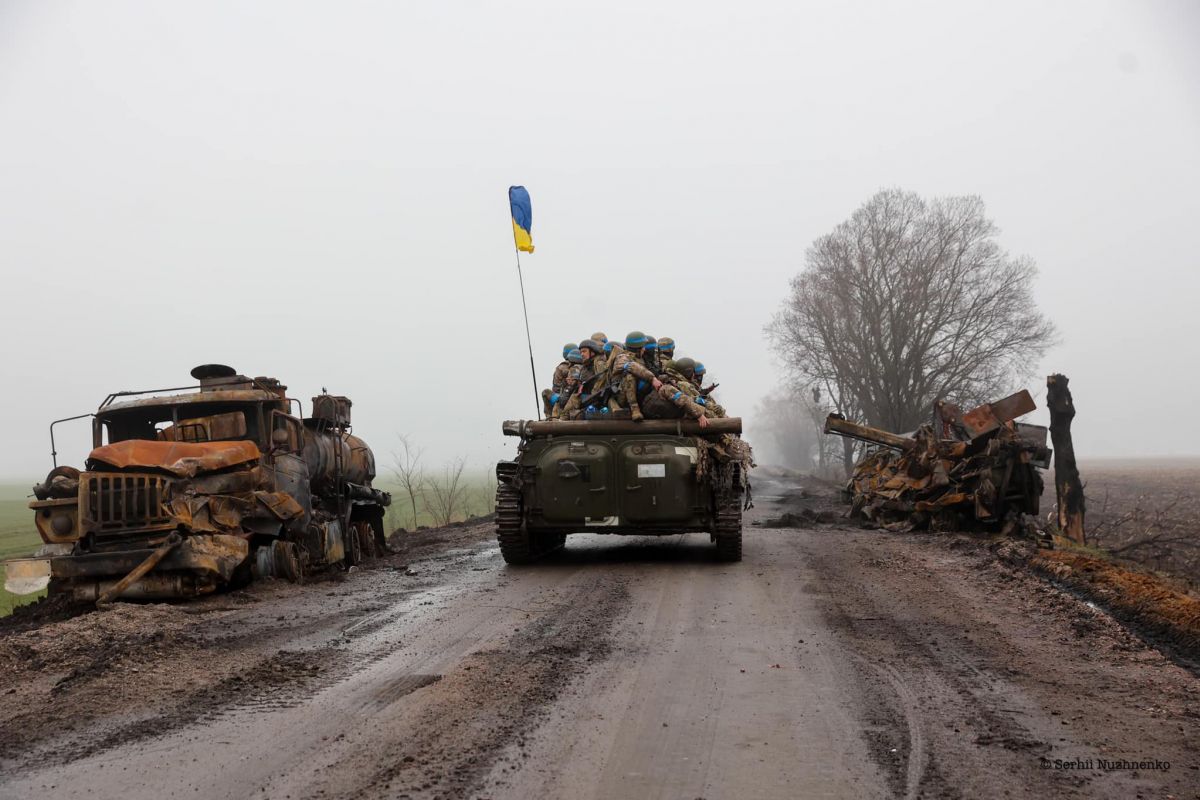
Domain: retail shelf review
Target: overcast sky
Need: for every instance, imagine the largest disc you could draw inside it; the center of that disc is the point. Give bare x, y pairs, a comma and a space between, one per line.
318, 192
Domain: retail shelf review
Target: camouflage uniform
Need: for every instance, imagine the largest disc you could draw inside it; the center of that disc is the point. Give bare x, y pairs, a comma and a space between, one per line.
557, 382
709, 401
671, 402
568, 398
688, 387
627, 370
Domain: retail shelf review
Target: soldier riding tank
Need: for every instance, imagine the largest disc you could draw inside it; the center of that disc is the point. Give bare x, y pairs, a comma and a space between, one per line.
656, 477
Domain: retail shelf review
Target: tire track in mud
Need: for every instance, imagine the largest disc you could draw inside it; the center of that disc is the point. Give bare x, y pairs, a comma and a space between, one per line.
257, 676
442, 741
937, 716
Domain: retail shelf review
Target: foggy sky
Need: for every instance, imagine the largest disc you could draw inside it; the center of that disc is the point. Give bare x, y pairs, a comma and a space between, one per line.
318, 192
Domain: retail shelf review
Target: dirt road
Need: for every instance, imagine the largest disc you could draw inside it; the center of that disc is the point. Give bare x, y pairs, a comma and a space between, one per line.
831, 662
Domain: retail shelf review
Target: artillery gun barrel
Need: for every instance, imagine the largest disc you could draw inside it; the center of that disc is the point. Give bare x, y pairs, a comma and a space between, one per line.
841, 426
615, 427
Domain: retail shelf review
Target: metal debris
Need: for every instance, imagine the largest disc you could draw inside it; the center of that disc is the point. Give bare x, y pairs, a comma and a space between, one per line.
973, 470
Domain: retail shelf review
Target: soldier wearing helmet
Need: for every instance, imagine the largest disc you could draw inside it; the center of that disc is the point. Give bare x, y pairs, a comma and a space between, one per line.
666, 348
675, 396
705, 395
628, 368
650, 355
558, 381
570, 384
590, 375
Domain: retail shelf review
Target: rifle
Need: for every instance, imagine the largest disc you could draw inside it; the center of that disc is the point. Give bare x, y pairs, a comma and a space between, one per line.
705, 392
598, 397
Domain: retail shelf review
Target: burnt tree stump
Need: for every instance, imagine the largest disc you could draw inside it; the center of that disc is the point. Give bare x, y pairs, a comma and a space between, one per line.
1067, 485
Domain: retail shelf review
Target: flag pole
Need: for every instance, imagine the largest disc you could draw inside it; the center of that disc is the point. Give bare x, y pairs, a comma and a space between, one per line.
537, 400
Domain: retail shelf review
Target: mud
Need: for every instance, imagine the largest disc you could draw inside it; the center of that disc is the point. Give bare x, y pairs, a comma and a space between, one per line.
832, 661
1147, 603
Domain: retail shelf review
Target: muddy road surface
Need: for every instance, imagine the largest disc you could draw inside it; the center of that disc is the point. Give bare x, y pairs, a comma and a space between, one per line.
831, 662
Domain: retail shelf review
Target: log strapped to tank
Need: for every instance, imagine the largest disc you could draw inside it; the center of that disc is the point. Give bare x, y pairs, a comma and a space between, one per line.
679, 427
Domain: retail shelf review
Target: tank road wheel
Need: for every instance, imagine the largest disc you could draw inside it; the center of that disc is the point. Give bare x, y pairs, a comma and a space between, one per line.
510, 528
729, 529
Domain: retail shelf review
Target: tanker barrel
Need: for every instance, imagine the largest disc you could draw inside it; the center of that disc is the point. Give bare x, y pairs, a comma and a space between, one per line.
357, 491
837, 424
614, 427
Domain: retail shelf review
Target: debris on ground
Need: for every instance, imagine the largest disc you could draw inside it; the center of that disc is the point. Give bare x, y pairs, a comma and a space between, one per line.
974, 470
804, 518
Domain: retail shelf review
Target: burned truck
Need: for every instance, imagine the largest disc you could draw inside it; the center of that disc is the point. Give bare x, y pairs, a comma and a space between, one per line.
187, 493
654, 477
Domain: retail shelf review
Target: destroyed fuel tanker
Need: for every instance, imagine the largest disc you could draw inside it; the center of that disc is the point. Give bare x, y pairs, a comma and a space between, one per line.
190, 492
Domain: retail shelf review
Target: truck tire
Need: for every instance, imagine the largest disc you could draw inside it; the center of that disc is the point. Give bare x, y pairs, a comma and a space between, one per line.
510, 528
729, 530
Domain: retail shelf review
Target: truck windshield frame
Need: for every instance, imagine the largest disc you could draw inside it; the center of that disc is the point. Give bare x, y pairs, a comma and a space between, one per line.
143, 422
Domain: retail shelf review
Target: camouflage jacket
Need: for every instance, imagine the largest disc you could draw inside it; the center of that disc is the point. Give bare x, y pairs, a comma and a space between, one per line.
627, 363
682, 400
570, 385
559, 381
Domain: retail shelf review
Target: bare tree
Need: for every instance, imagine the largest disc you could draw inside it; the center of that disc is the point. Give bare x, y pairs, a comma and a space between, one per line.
906, 303
447, 492
406, 466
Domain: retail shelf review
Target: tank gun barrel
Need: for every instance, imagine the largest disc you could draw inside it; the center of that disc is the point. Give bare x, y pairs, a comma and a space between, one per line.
837, 424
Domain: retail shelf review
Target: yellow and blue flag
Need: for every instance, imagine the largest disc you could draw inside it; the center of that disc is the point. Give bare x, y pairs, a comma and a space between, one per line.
522, 217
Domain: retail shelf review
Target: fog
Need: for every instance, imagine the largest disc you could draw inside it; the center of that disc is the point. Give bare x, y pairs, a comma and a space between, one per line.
318, 192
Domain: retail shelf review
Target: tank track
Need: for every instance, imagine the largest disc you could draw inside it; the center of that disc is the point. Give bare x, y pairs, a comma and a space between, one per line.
518, 545
728, 533
514, 541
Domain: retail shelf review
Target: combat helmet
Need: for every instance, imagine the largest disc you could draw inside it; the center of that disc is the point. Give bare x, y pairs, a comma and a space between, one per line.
635, 340
574, 356
651, 343
568, 347
699, 369
685, 366
666, 345
593, 345
599, 336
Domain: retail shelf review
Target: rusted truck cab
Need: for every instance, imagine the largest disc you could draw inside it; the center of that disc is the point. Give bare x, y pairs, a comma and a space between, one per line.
218, 484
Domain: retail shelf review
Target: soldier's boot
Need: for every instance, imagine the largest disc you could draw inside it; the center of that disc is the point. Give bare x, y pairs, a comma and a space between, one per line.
628, 393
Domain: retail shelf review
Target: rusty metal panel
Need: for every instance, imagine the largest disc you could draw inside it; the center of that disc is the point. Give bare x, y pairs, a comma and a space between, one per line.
184, 459
990, 416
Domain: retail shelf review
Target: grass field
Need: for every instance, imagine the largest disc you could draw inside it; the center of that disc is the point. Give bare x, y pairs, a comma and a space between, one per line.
17, 536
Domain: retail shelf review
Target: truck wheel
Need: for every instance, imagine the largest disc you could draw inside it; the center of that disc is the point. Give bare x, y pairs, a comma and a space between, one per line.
510, 530
729, 531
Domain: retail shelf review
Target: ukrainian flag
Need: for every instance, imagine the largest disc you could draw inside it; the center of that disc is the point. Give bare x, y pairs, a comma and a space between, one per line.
522, 217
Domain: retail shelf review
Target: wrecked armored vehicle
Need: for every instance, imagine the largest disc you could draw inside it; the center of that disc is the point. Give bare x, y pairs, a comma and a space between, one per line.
185, 494
656, 477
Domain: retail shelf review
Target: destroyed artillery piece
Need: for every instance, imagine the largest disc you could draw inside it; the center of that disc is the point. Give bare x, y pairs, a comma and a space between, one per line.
978, 469
184, 494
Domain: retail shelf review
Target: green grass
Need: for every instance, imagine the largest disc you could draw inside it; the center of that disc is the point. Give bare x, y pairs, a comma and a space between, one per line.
18, 537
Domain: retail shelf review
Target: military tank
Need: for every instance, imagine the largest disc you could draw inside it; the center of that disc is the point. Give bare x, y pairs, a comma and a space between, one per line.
187, 491
652, 477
